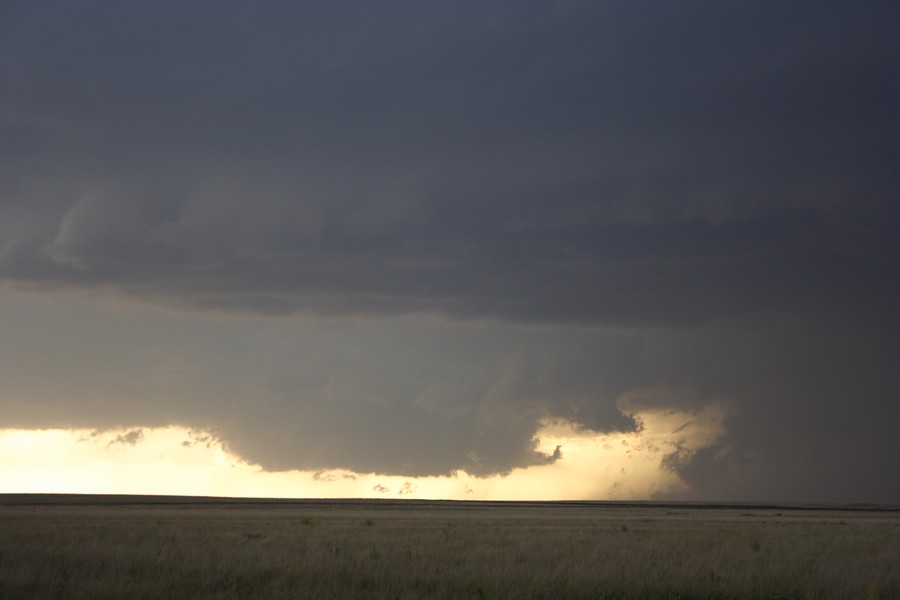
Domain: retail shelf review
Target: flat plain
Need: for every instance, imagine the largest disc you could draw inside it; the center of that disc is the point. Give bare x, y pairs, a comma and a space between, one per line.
162, 547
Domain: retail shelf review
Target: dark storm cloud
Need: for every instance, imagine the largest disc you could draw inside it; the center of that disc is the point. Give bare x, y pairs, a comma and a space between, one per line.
528, 161
814, 407
718, 179
387, 396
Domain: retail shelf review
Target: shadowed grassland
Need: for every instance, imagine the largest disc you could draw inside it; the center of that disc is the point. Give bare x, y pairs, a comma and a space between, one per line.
127, 548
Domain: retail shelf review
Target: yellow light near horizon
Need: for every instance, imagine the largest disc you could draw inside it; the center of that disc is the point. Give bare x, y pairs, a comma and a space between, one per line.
171, 461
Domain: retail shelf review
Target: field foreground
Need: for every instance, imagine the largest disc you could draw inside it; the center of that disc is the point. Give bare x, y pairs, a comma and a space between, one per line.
153, 547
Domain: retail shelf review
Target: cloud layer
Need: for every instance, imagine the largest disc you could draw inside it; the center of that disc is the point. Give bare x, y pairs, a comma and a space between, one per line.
567, 162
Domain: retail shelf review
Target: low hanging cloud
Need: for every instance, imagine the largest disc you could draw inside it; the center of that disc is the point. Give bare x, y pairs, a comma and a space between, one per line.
130, 438
419, 397
397, 238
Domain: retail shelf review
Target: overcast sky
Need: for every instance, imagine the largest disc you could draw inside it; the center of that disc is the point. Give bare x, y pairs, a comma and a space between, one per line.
401, 237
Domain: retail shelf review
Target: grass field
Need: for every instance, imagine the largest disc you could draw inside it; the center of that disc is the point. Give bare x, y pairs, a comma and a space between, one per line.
132, 547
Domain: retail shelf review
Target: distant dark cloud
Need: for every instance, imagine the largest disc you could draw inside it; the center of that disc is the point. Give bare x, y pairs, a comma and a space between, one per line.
131, 438
694, 198
330, 476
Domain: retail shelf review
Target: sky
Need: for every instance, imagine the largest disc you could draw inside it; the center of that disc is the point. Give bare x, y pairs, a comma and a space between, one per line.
496, 250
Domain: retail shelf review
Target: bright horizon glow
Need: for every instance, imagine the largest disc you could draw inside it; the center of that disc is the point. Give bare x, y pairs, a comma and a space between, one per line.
177, 461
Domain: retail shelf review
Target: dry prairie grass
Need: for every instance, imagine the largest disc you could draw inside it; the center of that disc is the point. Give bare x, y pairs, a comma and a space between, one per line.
444, 550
